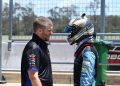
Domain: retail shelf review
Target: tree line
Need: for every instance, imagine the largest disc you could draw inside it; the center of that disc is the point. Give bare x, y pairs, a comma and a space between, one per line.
23, 18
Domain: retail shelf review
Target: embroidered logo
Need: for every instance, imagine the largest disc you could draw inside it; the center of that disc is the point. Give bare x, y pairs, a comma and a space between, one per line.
32, 60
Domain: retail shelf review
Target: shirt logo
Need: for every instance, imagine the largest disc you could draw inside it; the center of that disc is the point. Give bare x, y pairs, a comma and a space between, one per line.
31, 59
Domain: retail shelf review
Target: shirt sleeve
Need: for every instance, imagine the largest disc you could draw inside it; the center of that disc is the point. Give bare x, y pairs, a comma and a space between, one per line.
33, 60
87, 73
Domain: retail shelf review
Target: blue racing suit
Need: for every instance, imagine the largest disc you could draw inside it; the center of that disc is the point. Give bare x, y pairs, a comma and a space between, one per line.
85, 65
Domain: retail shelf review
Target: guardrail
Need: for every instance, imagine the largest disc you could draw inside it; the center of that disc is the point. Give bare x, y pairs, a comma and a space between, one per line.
73, 63
63, 36
62, 63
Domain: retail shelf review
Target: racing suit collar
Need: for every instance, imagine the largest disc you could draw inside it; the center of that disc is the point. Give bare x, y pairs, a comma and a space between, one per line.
87, 40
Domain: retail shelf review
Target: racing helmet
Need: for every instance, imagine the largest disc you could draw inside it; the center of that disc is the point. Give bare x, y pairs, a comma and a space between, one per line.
79, 29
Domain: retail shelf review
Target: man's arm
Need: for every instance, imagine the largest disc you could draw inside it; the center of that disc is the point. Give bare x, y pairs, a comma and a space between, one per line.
33, 75
87, 73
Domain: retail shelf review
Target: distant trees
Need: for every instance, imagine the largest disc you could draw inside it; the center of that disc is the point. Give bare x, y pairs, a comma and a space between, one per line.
5, 20
112, 24
94, 6
23, 18
61, 16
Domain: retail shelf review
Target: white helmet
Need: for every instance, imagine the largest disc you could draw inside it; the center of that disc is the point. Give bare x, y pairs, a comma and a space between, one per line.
79, 29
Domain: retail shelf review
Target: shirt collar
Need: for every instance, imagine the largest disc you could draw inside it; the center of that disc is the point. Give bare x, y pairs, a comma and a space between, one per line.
38, 40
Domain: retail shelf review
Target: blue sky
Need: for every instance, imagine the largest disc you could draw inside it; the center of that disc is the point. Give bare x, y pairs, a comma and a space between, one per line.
41, 7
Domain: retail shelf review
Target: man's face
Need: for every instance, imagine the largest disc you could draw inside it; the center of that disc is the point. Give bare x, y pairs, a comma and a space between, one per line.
46, 32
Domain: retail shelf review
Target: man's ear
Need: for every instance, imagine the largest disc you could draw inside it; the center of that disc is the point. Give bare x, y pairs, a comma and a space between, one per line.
39, 30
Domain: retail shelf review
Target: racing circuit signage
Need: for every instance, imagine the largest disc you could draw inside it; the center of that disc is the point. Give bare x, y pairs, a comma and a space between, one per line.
114, 55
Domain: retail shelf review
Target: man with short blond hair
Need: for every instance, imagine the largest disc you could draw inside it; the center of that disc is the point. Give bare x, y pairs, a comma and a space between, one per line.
36, 64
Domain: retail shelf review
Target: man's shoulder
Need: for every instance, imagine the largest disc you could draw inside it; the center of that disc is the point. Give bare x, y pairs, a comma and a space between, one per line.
32, 44
89, 48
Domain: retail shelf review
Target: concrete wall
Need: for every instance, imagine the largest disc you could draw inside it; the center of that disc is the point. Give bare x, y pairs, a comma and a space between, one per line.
62, 77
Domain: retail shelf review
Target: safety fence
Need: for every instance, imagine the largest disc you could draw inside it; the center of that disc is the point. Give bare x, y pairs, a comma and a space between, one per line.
18, 15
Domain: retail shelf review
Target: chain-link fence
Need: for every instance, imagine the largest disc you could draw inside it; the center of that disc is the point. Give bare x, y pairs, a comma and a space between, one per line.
60, 12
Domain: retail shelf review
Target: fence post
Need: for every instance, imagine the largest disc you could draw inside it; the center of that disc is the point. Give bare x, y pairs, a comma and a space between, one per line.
102, 18
2, 81
1, 40
10, 24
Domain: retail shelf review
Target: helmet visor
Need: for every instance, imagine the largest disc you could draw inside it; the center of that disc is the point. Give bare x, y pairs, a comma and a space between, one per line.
68, 29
